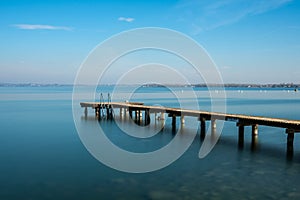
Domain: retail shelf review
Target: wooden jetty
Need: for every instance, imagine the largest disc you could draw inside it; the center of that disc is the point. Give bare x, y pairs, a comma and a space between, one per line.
291, 126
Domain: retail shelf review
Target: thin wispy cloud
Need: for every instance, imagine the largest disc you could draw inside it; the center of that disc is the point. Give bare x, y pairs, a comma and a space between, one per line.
126, 19
208, 15
40, 27
226, 67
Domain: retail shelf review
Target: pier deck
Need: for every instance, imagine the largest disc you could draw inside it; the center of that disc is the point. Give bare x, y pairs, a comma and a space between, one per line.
291, 126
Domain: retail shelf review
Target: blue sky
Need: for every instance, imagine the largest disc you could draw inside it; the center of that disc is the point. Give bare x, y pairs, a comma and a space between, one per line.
251, 41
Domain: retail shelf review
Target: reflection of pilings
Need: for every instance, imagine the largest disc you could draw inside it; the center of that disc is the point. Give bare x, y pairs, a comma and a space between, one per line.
254, 142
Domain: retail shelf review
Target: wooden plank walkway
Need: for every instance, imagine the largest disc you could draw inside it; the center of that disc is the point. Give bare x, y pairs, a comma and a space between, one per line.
291, 126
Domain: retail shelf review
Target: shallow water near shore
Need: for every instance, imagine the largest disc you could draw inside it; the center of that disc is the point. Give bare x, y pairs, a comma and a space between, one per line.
42, 156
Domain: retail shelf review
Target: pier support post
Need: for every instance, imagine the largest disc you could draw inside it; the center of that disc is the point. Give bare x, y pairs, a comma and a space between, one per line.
182, 120
213, 129
130, 113
173, 123
85, 111
254, 130
107, 113
162, 116
213, 125
139, 117
125, 112
135, 113
121, 112
254, 138
290, 142
141, 114
241, 136
147, 116
202, 128
97, 113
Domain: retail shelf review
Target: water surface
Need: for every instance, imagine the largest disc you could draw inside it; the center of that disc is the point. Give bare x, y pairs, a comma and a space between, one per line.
42, 156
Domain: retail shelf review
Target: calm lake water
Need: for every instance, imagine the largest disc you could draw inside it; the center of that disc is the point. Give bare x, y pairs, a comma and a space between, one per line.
42, 156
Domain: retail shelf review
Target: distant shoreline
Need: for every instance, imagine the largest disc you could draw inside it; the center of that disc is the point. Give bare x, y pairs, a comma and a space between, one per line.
226, 85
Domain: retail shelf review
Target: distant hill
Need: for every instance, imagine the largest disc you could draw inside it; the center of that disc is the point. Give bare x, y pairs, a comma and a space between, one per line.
226, 85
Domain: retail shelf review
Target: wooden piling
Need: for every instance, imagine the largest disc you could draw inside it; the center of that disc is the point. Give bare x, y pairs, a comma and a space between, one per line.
162, 115
85, 112
290, 141
202, 128
254, 129
241, 135
107, 113
213, 125
130, 113
147, 116
125, 112
182, 119
97, 111
138, 112
173, 122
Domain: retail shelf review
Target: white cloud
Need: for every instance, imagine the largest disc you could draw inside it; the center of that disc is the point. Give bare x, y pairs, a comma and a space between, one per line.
126, 19
40, 27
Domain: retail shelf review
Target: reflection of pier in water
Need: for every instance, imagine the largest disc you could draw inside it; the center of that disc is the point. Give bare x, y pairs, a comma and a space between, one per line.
140, 113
